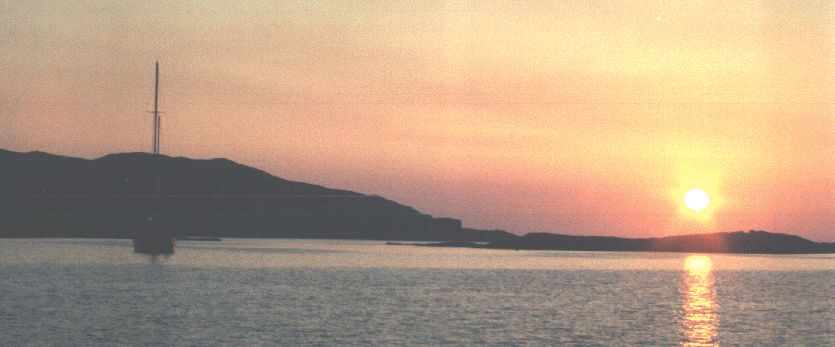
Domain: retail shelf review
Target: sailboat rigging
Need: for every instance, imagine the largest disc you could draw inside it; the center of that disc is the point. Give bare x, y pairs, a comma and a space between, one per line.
153, 239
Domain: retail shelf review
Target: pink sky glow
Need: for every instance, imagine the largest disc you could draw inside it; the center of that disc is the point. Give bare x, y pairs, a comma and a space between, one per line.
574, 117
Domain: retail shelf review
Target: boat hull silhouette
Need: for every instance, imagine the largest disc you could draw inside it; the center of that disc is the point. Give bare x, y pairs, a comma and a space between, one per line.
154, 243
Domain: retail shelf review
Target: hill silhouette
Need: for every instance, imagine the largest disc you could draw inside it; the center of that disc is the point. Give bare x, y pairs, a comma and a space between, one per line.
44, 195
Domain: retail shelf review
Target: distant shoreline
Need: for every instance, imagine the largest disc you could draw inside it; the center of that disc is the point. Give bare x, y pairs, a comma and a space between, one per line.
739, 242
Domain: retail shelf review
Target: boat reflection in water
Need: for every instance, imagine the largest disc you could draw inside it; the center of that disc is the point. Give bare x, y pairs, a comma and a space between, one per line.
699, 317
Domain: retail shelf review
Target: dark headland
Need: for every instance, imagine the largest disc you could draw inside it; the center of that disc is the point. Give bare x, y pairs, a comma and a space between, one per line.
44, 195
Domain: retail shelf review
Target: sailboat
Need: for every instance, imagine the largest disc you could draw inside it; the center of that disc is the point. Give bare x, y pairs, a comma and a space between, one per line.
153, 239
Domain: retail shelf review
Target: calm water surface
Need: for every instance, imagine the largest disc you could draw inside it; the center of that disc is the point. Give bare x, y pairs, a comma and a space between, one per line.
70, 292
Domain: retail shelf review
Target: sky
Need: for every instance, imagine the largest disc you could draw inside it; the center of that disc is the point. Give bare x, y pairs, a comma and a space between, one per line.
571, 117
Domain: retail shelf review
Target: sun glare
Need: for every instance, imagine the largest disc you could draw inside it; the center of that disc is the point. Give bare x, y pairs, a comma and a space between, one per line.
696, 200
700, 317
698, 263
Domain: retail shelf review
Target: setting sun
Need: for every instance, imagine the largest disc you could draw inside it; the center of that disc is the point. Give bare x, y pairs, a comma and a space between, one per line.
700, 194
696, 200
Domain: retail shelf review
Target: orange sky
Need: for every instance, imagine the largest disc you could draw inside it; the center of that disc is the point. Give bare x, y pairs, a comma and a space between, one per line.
576, 117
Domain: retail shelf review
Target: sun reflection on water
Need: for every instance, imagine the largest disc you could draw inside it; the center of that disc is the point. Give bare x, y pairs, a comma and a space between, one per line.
699, 318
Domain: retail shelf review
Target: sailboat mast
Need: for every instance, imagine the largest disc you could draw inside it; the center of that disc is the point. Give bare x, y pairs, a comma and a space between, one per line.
157, 125
155, 240
156, 111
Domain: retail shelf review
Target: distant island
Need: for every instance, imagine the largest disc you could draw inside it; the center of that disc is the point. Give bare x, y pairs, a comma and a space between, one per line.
740, 242
45, 195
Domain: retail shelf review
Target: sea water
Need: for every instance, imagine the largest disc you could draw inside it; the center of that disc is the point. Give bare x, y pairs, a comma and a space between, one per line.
240, 292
